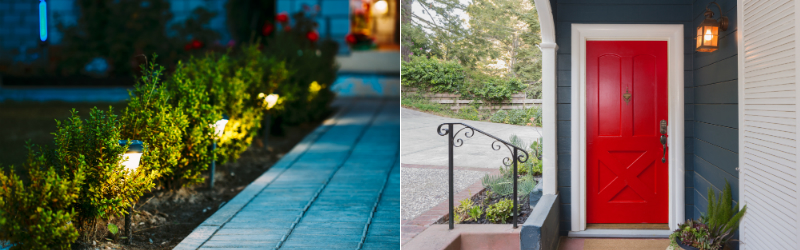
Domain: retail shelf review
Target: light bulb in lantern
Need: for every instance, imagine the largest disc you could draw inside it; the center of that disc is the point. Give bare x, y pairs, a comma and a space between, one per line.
708, 36
380, 7
219, 126
131, 157
271, 100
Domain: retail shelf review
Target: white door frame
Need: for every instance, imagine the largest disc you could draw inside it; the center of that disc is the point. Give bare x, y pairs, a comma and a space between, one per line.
673, 34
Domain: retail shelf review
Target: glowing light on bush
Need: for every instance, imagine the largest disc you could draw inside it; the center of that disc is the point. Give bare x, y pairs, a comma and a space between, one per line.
131, 158
219, 126
42, 20
380, 8
313, 89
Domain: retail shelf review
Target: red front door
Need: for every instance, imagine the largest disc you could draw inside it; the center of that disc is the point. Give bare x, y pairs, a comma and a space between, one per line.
626, 99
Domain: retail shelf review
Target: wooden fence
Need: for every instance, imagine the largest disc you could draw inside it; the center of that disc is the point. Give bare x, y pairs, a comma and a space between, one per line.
518, 100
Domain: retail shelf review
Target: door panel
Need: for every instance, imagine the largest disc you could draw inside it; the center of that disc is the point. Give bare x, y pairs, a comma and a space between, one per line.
626, 83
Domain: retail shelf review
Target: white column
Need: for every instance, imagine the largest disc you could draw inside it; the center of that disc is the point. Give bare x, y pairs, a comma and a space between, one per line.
550, 151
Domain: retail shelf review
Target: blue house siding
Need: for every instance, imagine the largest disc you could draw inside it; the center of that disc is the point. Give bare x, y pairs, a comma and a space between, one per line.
716, 142
567, 12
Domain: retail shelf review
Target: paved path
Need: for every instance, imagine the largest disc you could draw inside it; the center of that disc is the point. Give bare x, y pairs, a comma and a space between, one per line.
337, 189
424, 188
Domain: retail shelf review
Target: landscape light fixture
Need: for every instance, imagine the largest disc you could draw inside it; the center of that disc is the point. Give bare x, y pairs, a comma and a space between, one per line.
381, 7
219, 129
271, 100
130, 159
708, 31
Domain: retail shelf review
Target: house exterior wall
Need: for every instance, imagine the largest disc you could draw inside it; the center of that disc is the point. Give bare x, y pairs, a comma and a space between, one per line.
715, 120
567, 12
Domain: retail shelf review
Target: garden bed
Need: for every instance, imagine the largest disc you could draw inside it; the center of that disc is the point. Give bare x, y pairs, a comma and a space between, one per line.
483, 201
162, 219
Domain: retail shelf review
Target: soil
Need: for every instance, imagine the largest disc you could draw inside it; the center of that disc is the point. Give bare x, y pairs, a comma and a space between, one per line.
163, 218
484, 201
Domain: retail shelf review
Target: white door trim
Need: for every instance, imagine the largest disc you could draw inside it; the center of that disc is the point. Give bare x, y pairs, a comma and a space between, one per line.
673, 34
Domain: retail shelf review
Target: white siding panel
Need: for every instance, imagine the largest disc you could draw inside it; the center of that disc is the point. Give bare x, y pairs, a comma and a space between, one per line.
768, 130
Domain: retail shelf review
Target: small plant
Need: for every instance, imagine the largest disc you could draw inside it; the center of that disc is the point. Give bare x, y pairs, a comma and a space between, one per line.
469, 113
715, 228
503, 185
475, 213
500, 211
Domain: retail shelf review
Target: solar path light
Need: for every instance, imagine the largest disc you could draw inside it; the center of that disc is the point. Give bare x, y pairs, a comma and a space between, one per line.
219, 129
130, 160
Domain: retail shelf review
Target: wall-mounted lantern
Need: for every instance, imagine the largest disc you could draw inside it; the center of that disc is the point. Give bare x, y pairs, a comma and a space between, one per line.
708, 31
219, 129
130, 159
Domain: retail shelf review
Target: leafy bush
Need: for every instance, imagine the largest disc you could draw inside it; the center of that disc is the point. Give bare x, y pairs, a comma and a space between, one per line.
234, 83
91, 147
305, 92
150, 117
469, 113
431, 74
495, 89
475, 213
534, 115
192, 98
517, 117
38, 215
499, 117
500, 211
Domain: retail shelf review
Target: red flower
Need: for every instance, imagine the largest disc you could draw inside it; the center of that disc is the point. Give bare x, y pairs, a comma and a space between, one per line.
350, 38
196, 44
313, 36
188, 47
267, 29
282, 17
287, 28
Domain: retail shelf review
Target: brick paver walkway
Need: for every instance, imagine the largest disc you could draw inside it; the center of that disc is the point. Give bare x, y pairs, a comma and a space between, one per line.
337, 189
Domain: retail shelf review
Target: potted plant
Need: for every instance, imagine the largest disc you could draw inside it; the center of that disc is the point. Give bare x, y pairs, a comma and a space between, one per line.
714, 229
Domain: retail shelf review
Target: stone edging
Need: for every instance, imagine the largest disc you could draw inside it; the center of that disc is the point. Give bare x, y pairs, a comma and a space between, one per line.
411, 228
205, 230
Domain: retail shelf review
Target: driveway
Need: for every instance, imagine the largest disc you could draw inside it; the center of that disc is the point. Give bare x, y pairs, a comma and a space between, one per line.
423, 158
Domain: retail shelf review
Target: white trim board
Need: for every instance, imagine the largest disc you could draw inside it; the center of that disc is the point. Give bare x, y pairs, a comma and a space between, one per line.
549, 123
673, 34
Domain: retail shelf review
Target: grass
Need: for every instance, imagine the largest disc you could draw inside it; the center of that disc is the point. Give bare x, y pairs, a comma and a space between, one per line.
34, 121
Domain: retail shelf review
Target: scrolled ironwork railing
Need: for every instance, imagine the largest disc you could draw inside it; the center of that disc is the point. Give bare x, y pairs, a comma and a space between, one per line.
498, 144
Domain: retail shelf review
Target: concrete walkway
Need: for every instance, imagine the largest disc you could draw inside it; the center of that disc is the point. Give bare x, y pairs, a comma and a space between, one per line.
337, 189
425, 187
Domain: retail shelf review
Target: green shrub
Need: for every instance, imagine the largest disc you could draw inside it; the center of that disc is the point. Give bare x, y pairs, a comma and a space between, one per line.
517, 117
234, 83
312, 69
501, 211
503, 184
39, 215
495, 89
431, 74
192, 98
499, 117
534, 115
91, 146
469, 113
150, 117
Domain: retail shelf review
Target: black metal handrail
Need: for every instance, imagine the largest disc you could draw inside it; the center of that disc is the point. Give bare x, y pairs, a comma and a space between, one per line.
453, 143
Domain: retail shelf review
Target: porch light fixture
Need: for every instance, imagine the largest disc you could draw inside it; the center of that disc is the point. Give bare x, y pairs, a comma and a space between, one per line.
708, 31
219, 129
131, 157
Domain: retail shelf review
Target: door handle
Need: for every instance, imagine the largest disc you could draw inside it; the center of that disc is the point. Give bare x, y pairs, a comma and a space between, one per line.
664, 140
